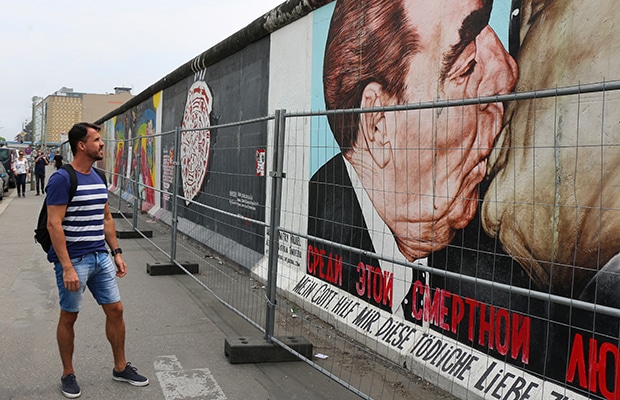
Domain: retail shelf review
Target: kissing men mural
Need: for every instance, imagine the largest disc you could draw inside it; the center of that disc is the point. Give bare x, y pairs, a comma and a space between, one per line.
495, 201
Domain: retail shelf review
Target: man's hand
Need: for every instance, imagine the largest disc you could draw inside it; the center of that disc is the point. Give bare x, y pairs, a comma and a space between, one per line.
71, 279
121, 267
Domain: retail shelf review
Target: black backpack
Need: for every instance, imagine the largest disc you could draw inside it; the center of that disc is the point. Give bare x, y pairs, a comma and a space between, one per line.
41, 235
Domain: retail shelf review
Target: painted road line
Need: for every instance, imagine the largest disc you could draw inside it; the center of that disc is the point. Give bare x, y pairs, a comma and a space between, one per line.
179, 384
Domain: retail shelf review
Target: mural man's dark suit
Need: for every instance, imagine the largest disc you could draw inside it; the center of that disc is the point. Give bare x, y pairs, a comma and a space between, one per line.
335, 215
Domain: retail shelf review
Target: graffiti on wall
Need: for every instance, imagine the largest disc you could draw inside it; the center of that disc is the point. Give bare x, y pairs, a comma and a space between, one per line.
119, 153
133, 150
209, 154
144, 153
196, 138
521, 195
493, 191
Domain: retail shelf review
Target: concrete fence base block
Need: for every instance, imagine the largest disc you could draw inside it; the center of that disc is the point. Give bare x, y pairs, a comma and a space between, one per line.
241, 350
158, 268
132, 234
117, 214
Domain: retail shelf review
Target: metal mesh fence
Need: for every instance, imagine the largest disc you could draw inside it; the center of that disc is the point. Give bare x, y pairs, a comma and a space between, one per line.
432, 240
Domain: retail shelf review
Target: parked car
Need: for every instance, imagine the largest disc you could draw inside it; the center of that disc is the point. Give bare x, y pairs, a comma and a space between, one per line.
7, 155
4, 181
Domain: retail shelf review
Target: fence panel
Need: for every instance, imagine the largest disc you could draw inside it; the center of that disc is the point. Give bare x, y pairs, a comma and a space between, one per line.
474, 254
429, 240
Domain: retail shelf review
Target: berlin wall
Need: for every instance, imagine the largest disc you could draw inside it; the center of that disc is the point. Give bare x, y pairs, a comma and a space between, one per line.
497, 224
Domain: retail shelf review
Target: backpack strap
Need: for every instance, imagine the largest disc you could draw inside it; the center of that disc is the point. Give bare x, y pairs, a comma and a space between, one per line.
102, 175
72, 179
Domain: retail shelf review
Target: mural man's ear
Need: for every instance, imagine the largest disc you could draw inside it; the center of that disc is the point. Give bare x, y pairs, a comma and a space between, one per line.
373, 127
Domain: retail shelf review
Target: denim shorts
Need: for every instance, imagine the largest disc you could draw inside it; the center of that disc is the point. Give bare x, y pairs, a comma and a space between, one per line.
95, 270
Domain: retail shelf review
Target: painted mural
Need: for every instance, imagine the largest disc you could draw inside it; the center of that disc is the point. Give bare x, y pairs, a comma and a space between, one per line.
196, 138
226, 92
116, 154
144, 154
132, 148
521, 195
509, 212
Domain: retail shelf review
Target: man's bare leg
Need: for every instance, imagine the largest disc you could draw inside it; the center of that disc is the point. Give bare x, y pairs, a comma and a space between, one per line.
115, 332
65, 336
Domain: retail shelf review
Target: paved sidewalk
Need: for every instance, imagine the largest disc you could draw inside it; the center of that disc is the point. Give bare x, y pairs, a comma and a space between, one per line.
175, 332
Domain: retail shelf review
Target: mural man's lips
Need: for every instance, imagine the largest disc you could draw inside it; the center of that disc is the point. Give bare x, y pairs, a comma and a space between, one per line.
474, 177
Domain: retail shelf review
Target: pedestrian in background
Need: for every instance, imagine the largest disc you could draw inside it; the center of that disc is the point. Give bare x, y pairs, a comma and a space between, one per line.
58, 160
40, 162
21, 171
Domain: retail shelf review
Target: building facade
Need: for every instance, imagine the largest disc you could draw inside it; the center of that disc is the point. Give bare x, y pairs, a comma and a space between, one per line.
55, 114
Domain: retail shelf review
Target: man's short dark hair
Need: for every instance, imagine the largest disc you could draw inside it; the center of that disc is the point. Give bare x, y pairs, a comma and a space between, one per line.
368, 41
78, 133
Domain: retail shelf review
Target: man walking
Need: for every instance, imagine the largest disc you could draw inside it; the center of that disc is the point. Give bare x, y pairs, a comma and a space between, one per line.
79, 229
40, 162
58, 160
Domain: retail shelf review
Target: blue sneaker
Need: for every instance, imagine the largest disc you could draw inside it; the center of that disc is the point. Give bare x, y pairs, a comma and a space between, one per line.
70, 387
130, 375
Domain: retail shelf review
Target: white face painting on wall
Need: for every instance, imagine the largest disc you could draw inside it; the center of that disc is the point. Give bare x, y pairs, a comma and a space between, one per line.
196, 144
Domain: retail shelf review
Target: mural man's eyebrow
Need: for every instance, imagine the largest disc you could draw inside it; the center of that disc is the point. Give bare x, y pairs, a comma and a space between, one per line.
471, 27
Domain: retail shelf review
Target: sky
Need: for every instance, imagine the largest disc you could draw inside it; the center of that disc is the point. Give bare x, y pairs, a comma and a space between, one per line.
94, 47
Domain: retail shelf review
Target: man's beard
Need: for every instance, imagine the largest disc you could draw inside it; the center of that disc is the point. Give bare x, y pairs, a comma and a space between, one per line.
96, 156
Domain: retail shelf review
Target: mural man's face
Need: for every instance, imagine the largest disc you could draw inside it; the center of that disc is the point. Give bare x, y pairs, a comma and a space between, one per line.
436, 158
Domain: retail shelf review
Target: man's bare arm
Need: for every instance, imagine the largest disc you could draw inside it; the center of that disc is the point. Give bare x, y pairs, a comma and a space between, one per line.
55, 215
110, 237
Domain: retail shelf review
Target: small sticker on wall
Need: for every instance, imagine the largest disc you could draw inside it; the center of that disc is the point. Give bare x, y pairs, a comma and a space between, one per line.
260, 162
